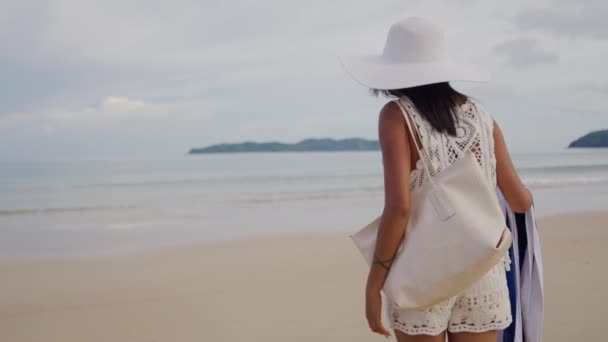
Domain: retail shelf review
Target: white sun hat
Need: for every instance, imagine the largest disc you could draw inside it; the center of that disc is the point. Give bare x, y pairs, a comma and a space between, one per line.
413, 55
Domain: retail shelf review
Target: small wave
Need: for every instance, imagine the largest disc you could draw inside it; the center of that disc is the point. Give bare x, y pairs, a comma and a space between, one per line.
571, 169
43, 211
234, 179
320, 195
561, 182
371, 191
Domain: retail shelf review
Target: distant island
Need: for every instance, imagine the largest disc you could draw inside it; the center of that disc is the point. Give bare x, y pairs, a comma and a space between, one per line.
306, 145
593, 139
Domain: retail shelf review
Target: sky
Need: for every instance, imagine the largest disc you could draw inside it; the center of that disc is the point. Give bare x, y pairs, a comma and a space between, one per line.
151, 79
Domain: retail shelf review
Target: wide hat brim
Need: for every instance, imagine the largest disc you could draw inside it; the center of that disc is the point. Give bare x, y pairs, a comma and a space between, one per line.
377, 72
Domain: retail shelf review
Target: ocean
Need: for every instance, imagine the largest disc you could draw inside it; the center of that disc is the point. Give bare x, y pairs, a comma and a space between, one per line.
120, 206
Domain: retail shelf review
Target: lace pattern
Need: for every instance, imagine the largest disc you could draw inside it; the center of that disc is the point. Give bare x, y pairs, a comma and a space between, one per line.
444, 149
484, 305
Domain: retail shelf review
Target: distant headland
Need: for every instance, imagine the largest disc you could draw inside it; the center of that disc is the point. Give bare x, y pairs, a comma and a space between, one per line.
593, 139
306, 145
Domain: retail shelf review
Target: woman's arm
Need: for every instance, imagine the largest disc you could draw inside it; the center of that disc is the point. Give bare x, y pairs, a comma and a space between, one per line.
513, 189
394, 143
396, 161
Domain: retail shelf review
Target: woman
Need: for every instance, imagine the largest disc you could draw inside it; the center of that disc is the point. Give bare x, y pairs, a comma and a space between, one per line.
449, 125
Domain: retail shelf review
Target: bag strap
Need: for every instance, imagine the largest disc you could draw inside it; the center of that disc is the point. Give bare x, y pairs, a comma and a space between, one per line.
426, 161
483, 139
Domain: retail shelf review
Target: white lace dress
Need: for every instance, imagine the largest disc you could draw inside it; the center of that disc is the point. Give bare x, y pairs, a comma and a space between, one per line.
485, 304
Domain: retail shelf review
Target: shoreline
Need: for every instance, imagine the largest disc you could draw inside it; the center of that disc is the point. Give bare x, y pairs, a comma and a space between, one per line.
253, 238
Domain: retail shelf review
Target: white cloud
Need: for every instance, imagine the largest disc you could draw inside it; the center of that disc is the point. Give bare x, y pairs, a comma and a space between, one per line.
114, 107
583, 19
523, 52
117, 104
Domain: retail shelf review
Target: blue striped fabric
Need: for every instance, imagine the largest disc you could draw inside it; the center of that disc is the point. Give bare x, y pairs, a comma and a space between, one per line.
508, 335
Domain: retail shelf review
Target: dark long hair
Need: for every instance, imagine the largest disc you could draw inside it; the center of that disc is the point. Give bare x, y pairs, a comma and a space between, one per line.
437, 102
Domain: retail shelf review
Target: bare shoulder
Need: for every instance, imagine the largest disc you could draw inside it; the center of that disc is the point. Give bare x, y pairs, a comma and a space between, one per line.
390, 114
391, 128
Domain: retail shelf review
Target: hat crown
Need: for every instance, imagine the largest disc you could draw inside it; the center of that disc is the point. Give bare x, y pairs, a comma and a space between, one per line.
414, 40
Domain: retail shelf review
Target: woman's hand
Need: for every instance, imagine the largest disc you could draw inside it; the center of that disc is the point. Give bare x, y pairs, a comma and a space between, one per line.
373, 311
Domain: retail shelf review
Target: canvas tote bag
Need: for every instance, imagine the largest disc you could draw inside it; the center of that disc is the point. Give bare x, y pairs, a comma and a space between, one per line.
455, 234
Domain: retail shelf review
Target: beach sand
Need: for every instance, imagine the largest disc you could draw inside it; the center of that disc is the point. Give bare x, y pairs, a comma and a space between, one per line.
297, 287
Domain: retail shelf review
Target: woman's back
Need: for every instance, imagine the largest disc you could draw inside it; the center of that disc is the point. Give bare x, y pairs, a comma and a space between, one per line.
413, 67
474, 127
